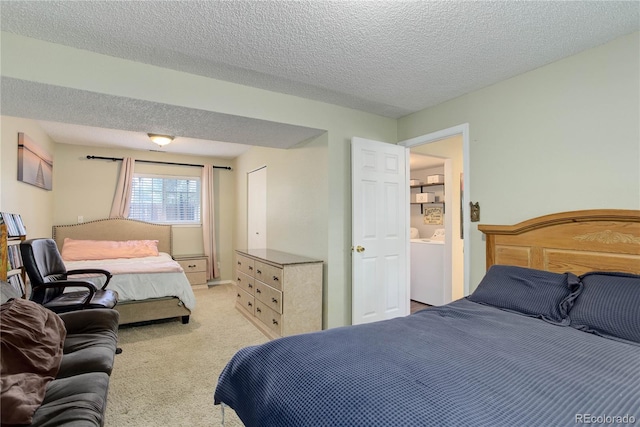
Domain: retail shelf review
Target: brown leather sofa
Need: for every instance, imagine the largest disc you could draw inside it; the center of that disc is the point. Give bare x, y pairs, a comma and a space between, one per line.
77, 395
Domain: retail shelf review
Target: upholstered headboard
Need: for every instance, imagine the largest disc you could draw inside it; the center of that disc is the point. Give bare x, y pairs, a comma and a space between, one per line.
577, 241
116, 229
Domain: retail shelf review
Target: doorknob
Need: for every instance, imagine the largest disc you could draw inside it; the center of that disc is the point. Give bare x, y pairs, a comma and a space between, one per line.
359, 249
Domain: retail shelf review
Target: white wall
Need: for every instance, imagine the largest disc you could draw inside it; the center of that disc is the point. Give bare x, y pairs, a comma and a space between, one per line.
563, 137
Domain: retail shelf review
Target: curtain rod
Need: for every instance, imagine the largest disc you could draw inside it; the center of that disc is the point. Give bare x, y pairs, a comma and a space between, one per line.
157, 162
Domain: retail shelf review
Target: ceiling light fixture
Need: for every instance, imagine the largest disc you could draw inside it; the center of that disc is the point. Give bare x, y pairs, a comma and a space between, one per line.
161, 140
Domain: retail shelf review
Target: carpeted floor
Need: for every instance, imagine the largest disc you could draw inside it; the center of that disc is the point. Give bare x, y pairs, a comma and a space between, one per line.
167, 372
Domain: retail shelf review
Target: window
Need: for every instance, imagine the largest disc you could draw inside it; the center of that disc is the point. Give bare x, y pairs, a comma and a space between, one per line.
165, 199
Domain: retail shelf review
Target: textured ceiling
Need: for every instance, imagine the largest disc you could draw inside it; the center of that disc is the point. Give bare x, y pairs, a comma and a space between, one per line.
390, 58
106, 112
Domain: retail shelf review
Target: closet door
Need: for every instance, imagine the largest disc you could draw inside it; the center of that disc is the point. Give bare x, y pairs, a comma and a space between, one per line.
257, 209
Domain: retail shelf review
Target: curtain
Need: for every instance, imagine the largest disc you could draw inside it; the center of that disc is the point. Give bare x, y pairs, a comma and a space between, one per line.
208, 222
122, 198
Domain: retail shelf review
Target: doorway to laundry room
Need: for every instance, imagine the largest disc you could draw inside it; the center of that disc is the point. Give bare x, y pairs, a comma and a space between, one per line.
438, 263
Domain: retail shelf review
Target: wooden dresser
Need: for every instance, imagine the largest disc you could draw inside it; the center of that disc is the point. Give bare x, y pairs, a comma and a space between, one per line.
280, 293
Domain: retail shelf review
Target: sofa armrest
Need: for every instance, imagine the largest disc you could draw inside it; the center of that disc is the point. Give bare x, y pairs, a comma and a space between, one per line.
91, 320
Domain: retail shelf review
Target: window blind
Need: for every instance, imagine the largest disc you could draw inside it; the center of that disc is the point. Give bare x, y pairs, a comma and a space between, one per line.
165, 199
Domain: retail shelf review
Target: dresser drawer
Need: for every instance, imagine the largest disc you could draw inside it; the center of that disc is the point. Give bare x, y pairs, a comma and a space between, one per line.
268, 317
269, 274
245, 265
244, 282
269, 296
245, 301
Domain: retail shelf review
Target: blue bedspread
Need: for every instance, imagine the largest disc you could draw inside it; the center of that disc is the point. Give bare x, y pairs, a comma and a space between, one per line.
463, 364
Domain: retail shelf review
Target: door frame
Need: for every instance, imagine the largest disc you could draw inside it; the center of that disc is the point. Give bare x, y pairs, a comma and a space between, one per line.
249, 206
463, 130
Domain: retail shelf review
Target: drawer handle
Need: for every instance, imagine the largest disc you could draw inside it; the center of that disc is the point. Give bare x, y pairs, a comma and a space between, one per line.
258, 291
191, 266
273, 300
250, 268
239, 280
258, 272
258, 310
249, 304
274, 321
239, 263
250, 286
275, 278
238, 295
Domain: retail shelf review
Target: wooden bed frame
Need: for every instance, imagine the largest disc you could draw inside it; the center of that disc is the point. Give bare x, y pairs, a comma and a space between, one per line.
576, 241
128, 229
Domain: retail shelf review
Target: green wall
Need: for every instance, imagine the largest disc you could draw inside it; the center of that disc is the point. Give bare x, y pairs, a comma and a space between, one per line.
560, 138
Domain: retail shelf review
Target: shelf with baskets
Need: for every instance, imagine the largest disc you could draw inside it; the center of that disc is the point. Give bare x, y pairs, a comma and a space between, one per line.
12, 233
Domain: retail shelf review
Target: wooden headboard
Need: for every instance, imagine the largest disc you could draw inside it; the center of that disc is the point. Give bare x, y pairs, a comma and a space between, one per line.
577, 241
116, 229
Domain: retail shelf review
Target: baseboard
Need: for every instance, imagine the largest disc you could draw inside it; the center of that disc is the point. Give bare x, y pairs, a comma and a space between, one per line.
220, 282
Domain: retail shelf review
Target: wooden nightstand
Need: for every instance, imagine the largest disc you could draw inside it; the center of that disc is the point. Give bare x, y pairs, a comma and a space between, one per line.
195, 267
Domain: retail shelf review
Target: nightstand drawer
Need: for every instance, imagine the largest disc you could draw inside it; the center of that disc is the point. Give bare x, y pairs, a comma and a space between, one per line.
198, 278
193, 265
195, 268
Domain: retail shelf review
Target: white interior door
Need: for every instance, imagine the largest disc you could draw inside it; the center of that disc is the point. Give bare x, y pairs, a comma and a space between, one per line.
380, 201
257, 209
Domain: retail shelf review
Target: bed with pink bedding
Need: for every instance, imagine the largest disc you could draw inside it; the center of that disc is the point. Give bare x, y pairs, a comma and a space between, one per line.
150, 284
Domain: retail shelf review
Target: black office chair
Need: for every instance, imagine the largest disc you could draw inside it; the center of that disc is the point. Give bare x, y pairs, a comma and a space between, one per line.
49, 277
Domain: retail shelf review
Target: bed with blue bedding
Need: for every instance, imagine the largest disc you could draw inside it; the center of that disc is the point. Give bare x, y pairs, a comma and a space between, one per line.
528, 347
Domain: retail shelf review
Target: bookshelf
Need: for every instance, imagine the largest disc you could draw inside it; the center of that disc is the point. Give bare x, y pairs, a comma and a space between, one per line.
12, 233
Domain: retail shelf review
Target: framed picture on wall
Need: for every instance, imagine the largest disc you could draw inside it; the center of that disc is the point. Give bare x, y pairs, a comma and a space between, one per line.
35, 165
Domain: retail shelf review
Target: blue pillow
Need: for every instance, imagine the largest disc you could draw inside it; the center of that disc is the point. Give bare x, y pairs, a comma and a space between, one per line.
609, 305
534, 293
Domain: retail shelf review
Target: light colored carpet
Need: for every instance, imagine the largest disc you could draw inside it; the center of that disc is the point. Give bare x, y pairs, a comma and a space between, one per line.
167, 372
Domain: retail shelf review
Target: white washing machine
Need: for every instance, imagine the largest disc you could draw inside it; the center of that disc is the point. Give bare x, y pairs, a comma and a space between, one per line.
427, 271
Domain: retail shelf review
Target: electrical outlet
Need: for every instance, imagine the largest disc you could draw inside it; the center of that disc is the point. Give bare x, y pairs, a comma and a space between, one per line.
80, 219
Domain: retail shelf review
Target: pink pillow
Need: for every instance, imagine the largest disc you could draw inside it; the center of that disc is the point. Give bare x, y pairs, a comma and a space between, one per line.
80, 250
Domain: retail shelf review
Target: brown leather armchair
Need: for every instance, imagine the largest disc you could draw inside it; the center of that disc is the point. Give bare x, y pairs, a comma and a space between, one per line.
49, 277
